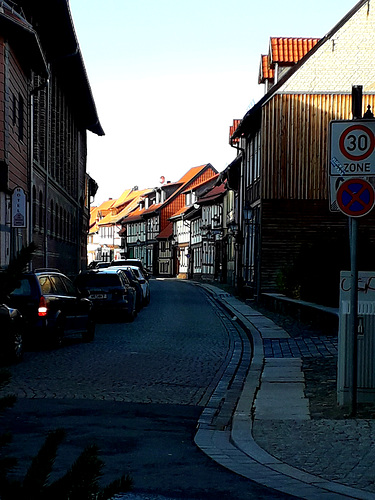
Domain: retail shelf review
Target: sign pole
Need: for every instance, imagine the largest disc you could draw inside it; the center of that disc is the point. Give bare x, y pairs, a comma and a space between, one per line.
353, 314
353, 234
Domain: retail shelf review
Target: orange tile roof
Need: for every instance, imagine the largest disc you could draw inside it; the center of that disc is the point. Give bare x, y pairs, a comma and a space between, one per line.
122, 198
191, 173
201, 183
106, 220
152, 208
214, 194
136, 215
166, 232
94, 229
180, 212
106, 205
129, 195
233, 128
290, 50
93, 215
265, 71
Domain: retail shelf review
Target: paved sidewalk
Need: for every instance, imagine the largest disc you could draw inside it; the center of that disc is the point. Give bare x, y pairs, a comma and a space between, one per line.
272, 439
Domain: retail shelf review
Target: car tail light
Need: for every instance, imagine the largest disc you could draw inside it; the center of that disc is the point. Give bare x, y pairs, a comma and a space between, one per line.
42, 309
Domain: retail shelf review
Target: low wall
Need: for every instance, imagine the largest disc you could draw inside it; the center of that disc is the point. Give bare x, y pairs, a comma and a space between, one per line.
322, 317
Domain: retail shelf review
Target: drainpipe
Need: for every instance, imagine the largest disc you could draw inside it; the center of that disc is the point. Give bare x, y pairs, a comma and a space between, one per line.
33, 92
47, 168
238, 253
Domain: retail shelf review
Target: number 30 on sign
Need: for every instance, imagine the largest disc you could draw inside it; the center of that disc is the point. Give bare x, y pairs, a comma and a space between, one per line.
352, 148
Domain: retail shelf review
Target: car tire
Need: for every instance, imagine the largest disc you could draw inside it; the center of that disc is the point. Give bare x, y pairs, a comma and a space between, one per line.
58, 335
89, 334
17, 346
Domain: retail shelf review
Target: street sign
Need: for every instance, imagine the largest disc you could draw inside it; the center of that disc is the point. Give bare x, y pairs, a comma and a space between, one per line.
18, 208
355, 197
352, 148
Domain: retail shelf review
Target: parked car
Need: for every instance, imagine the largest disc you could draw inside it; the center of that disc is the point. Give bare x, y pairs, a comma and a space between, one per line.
109, 290
136, 285
11, 335
131, 262
52, 308
98, 264
143, 282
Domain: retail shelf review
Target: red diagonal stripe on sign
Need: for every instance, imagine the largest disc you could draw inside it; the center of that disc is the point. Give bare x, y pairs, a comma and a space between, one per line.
356, 197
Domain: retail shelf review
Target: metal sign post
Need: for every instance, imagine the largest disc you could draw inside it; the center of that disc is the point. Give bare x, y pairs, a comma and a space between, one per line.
351, 169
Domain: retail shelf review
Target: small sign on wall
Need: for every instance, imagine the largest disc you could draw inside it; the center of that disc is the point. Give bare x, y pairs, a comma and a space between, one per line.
18, 208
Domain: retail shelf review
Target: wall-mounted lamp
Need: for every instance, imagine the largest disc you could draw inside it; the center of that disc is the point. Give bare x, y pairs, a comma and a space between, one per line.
248, 214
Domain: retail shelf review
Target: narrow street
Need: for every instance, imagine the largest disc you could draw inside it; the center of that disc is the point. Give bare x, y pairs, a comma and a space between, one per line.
136, 391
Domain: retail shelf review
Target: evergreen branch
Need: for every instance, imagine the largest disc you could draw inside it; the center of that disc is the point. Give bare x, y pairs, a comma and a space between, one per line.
41, 466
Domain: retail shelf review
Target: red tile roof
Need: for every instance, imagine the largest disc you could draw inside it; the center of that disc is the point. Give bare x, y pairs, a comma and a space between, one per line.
284, 51
201, 183
214, 194
265, 71
135, 216
180, 212
152, 208
167, 232
290, 50
232, 129
190, 174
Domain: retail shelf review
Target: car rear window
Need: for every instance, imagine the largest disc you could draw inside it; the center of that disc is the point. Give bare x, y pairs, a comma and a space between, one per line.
93, 280
45, 285
23, 289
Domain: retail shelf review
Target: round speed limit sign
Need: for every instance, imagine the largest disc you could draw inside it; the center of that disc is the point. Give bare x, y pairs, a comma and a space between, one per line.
357, 142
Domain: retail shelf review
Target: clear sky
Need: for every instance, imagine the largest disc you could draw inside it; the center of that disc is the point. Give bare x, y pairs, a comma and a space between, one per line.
169, 76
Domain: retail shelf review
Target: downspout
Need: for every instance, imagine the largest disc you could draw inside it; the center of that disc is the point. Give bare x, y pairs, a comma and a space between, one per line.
47, 168
33, 92
238, 253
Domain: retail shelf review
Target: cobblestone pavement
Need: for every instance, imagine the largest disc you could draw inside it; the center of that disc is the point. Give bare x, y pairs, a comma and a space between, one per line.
338, 449
300, 347
142, 362
173, 356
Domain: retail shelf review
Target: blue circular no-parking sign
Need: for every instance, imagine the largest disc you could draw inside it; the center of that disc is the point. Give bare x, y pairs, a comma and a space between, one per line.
355, 197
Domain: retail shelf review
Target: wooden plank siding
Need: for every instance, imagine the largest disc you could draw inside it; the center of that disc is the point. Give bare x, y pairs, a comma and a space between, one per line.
16, 149
288, 225
294, 135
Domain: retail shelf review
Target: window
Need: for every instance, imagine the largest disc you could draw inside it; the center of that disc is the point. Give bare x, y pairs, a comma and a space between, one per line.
71, 290
45, 285
41, 221
58, 285
20, 117
14, 109
51, 219
34, 208
57, 221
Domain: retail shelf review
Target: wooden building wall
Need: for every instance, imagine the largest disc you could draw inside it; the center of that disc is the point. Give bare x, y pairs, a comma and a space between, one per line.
14, 121
295, 143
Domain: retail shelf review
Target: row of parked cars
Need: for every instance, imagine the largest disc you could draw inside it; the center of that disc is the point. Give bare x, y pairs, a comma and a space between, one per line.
45, 305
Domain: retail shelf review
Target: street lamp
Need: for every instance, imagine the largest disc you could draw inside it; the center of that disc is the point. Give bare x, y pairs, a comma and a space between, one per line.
247, 214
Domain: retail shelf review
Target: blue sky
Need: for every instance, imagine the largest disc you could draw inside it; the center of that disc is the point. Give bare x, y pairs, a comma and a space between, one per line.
169, 76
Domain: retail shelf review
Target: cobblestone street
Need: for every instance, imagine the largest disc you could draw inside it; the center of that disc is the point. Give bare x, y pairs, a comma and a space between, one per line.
137, 391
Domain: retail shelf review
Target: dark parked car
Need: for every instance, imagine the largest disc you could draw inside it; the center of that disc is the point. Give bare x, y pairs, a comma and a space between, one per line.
11, 335
52, 308
131, 262
136, 285
98, 264
109, 290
